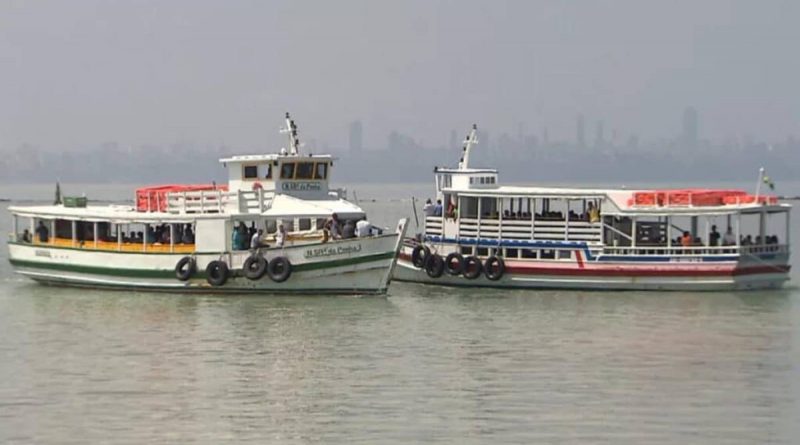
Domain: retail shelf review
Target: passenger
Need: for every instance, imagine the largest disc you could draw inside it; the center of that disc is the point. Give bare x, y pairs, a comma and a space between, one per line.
758, 240
333, 227
165, 237
140, 237
506, 214
728, 239
42, 232
686, 239
713, 237
363, 228
255, 240
280, 236
252, 230
451, 210
349, 229
748, 240
428, 209
26, 236
594, 213
437, 209
236, 239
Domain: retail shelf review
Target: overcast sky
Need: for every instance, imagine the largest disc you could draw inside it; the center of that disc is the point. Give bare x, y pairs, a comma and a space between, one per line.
77, 73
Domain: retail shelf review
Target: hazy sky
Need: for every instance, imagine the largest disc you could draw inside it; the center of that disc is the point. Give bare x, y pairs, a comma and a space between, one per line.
222, 72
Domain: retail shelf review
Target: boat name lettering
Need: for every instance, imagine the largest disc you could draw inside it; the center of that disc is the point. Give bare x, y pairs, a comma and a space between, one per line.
42, 253
330, 251
301, 186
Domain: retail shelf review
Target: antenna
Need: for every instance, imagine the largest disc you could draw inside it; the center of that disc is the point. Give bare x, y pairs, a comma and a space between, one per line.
472, 139
291, 130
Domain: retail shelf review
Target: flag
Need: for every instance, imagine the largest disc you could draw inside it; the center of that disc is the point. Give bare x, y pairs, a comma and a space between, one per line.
769, 182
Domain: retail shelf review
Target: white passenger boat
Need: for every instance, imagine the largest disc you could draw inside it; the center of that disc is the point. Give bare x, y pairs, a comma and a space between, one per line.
485, 234
198, 238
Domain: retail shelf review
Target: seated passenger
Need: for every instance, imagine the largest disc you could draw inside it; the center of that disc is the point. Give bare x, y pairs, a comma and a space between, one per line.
280, 236
728, 239
594, 213
363, 228
188, 235
686, 239
26, 236
349, 229
255, 240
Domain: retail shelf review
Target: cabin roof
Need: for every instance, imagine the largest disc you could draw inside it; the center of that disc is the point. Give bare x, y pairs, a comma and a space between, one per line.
273, 157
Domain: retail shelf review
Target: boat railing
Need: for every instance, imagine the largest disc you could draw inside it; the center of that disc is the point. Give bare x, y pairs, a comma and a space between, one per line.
682, 251
115, 246
527, 229
433, 225
254, 201
200, 201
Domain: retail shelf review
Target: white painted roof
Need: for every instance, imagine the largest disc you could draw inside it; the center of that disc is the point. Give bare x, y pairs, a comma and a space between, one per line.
273, 157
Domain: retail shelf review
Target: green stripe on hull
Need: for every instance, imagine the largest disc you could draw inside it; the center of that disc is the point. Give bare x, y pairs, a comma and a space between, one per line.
150, 273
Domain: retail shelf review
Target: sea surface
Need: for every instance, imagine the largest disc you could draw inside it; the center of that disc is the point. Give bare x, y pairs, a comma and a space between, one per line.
419, 365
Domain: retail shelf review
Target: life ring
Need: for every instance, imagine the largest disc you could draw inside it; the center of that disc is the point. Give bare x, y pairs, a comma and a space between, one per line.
494, 268
185, 268
454, 264
217, 273
434, 266
419, 255
472, 267
255, 266
257, 186
279, 269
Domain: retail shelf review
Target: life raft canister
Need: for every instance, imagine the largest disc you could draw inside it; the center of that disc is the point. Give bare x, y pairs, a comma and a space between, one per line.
185, 268
217, 273
434, 266
454, 263
494, 268
472, 267
255, 266
419, 255
279, 269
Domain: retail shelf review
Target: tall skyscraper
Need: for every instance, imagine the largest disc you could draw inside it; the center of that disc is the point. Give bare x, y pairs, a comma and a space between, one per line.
580, 131
356, 137
690, 127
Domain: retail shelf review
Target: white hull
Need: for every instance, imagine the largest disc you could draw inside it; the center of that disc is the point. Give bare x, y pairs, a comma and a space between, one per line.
354, 266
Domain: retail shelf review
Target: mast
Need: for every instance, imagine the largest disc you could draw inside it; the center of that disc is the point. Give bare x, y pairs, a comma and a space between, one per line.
472, 139
291, 130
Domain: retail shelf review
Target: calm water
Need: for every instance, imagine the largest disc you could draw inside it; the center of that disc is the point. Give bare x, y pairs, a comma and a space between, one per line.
419, 365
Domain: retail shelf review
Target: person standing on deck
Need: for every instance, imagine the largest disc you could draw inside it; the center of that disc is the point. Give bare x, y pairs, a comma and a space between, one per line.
42, 232
713, 237
428, 209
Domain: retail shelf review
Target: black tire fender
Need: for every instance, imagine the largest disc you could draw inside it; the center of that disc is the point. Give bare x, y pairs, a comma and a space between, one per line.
450, 267
185, 268
434, 266
472, 267
217, 273
255, 266
420, 255
279, 269
494, 268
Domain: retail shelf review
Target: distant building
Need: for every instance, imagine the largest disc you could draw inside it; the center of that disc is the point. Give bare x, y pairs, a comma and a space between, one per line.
580, 131
356, 137
599, 137
690, 127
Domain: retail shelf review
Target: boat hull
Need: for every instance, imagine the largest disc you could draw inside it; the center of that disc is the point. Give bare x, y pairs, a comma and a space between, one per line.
354, 266
723, 276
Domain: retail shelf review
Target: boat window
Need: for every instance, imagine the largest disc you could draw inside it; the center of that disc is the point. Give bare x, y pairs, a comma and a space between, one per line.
465, 250
482, 251
250, 171
468, 207
548, 254
530, 253
304, 224
489, 208
287, 170
512, 253
305, 170
288, 225
271, 226
320, 223
268, 173
564, 254
321, 170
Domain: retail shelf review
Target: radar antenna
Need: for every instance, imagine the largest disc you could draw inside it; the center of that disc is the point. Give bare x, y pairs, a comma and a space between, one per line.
294, 140
472, 139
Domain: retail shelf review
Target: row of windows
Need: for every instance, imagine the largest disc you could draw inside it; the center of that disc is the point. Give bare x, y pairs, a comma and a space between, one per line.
511, 253
482, 180
289, 170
